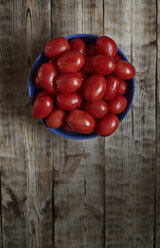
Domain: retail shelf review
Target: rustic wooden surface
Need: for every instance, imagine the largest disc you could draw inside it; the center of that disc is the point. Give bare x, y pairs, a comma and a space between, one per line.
157, 174
131, 153
78, 165
70, 194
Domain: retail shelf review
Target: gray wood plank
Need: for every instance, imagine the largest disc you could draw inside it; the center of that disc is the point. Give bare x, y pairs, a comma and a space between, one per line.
25, 147
130, 152
78, 165
157, 207
1, 233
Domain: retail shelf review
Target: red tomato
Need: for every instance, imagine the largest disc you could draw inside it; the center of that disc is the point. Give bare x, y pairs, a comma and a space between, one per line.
42, 107
107, 125
67, 128
54, 63
95, 129
103, 64
47, 74
68, 82
105, 45
78, 45
55, 92
37, 82
122, 87
71, 62
56, 118
91, 49
83, 77
124, 70
94, 88
56, 47
82, 105
112, 86
117, 58
117, 105
80, 121
88, 68
69, 101
96, 109
44, 93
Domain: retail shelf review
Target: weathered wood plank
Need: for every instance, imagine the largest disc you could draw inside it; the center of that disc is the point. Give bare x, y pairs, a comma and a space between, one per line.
25, 147
78, 165
10, 99
130, 153
1, 234
93, 24
157, 216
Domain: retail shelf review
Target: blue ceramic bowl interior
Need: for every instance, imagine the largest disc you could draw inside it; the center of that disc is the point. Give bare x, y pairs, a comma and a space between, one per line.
32, 89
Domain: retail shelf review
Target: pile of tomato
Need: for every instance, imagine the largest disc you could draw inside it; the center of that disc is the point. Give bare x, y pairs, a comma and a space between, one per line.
82, 87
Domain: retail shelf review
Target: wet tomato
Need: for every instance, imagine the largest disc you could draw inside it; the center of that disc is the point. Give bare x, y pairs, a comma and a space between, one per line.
80, 121
42, 93
37, 82
82, 104
94, 88
56, 118
42, 107
107, 125
78, 45
83, 77
56, 47
45, 93
117, 105
47, 75
103, 64
124, 70
105, 45
117, 58
69, 101
88, 67
66, 127
68, 82
122, 87
54, 63
71, 62
97, 109
112, 86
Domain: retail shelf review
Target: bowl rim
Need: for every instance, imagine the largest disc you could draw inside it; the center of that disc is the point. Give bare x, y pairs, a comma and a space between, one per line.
70, 135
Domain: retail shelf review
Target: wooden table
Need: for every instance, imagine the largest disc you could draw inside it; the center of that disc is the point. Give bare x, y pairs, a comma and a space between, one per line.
61, 193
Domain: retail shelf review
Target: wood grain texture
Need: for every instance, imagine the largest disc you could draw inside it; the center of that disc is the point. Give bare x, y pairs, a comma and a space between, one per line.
1, 230
157, 207
130, 153
79, 203
78, 165
25, 147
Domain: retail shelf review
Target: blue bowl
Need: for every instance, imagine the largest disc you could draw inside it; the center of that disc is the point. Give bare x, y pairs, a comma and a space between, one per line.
32, 89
